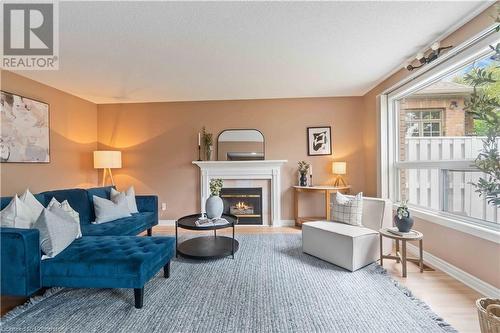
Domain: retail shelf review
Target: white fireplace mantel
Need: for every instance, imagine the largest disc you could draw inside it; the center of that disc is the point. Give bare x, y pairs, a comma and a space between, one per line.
265, 169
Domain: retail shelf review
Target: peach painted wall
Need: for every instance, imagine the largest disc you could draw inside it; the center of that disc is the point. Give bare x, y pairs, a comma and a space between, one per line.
159, 141
73, 137
474, 255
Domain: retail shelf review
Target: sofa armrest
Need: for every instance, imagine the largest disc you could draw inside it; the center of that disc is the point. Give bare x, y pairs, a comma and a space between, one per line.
20, 261
147, 203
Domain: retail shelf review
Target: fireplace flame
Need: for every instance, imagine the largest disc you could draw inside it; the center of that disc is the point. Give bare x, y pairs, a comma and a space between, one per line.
242, 205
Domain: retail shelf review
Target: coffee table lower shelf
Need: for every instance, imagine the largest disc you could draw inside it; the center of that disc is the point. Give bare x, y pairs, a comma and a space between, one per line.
208, 247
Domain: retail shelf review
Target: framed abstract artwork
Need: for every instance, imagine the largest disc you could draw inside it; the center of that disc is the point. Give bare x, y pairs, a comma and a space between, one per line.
25, 131
319, 141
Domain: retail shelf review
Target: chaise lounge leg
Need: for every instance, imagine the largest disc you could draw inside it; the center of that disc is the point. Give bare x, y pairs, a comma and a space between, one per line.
150, 232
166, 270
139, 297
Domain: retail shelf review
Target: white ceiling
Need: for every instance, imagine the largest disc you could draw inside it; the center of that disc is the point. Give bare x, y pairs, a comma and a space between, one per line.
184, 51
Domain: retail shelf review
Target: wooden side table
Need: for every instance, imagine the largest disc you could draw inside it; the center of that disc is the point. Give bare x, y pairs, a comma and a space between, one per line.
401, 257
327, 190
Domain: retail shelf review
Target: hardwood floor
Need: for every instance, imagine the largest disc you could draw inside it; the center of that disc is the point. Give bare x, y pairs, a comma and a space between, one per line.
449, 298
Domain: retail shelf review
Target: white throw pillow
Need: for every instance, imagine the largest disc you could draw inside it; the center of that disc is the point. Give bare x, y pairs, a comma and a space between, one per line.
130, 194
56, 232
63, 210
29, 199
17, 215
348, 210
107, 210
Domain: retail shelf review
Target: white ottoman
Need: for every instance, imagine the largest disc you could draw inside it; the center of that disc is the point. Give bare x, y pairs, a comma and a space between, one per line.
348, 246
344, 245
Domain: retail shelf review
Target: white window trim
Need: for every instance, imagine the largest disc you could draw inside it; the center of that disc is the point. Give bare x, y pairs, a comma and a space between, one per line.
388, 166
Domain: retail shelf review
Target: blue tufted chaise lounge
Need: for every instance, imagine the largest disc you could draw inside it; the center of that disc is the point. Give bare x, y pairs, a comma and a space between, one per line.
109, 255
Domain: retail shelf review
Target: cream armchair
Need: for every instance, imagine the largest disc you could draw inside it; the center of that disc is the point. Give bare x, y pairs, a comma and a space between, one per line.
348, 246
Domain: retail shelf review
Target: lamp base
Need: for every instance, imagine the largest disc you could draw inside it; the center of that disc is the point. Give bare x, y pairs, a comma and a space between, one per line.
339, 181
104, 172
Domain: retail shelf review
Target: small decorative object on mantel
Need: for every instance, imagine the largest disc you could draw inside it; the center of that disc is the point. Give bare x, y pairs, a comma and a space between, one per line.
208, 143
319, 141
402, 219
214, 205
422, 59
199, 146
303, 169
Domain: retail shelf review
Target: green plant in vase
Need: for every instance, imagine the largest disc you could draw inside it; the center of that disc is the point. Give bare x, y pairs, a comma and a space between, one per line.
214, 205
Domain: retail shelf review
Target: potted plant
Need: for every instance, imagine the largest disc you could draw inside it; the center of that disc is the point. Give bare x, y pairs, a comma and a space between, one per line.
303, 170
208, 143
402, 219
214, 205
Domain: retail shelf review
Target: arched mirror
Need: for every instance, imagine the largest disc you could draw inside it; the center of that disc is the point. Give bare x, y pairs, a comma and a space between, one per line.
240, 145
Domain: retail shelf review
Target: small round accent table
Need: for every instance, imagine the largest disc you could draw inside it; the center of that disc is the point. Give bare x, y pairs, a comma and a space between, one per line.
206, 247
401, 257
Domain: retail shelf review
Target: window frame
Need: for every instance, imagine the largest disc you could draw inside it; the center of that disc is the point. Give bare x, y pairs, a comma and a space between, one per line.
388, 185
421, 120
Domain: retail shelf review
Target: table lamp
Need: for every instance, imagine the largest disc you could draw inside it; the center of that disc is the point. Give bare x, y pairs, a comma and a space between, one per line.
107, 160
339, 169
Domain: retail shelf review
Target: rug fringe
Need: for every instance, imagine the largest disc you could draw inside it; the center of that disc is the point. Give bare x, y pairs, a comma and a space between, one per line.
407, 292
18, 310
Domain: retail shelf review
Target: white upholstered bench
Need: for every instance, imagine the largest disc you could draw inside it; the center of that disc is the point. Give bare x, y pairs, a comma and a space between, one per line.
348, 246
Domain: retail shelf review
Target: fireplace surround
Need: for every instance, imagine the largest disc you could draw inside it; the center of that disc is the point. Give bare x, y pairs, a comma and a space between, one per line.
245, 170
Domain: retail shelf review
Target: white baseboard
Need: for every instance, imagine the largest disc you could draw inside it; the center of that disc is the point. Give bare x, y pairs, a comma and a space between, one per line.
170, 223
285, 223
468, 279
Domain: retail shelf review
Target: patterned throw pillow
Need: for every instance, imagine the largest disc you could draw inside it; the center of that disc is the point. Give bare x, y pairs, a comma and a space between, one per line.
67, 209
348, 210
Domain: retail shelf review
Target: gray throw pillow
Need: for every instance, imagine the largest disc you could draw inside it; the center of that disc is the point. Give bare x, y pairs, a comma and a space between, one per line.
56, 232
107, 210
130, 194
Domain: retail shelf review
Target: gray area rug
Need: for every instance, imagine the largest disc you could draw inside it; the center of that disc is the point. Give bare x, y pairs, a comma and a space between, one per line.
271, 286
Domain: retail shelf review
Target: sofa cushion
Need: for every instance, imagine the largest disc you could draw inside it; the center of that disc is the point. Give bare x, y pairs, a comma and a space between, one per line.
17, 214
126, 226
106, 210
108, 261
77, 199
57, 230
101, 192
341, 228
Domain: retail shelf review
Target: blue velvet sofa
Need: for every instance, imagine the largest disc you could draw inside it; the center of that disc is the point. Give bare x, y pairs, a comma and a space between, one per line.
109, 255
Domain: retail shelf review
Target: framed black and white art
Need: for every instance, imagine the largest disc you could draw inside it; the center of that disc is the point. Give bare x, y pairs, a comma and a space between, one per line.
319, 141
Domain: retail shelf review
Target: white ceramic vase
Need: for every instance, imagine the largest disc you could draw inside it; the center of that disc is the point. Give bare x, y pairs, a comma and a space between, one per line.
214, 207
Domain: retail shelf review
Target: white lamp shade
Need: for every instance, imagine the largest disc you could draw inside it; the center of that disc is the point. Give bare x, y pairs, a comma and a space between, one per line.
339, 168
107, 159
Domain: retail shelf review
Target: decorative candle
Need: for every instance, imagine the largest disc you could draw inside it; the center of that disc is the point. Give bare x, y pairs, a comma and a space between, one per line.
199, 139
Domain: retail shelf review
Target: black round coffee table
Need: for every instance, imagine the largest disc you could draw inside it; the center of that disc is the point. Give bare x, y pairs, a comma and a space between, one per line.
206, 247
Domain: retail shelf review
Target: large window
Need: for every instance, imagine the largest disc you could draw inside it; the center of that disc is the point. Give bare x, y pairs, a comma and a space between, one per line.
432, 141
